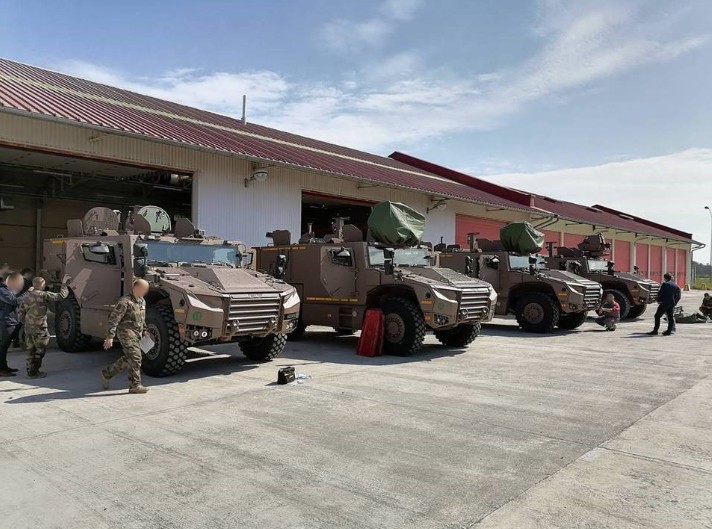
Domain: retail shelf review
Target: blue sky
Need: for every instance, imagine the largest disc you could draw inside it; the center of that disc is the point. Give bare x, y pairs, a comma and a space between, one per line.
596, 101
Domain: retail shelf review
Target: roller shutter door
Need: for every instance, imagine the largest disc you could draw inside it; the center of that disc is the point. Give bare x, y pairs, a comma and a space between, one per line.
681, 268
670, 265
485, 228
656, 263
550, 236
641, 258
622, 256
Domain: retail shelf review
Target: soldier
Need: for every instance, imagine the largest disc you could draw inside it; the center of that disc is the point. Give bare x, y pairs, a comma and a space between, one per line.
33, 316
706, 307
11, 292
128, 323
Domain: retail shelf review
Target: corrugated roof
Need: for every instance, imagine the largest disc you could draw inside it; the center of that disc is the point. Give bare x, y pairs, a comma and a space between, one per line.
594, 215
46, 93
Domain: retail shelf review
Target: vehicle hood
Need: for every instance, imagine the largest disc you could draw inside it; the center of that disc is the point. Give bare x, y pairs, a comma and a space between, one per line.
439, 277
221, 280
628, 276
566, 277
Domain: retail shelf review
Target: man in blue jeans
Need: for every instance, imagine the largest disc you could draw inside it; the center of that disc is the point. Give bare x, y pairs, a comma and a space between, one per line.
668, 296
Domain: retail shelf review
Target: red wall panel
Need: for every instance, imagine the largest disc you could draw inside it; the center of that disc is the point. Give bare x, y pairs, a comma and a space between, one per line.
572, 240
641, 258
485, 228
656, 263
681, 268
622, 256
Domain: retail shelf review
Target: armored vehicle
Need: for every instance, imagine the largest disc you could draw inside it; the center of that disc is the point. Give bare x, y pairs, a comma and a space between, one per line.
200, 291
541, 299
633, 293
340, 276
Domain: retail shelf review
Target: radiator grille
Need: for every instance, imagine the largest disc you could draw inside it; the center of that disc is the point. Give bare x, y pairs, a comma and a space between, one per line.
254, 314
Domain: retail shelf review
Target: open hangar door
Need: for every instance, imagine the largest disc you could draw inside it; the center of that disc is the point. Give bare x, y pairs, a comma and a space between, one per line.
40, 191
320, 210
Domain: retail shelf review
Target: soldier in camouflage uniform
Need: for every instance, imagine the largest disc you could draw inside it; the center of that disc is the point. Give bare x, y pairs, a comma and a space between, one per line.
33, 315
128, 323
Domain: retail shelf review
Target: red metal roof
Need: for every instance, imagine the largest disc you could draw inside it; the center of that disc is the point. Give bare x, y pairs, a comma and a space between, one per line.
45, 93
595, 215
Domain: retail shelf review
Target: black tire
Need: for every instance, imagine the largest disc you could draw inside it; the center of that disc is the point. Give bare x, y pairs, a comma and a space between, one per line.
622, 299
66, 326
406, 321
537, 312
461, 336
572, 321
344, 332
298, 331
264, 349
636, 311
169, 354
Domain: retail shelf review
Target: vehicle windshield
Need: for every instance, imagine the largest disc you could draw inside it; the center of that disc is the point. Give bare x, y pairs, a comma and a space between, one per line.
169, 252
402, 256
521, 262
596, 265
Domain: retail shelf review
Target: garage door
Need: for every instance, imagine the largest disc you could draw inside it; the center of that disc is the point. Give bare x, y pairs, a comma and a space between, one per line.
682, 267
550, 236
670, 265
641, 258
485, 228
622, 256
656, 263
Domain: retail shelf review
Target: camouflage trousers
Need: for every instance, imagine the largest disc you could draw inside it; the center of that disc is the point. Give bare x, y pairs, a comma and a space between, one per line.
36, 342
129, 360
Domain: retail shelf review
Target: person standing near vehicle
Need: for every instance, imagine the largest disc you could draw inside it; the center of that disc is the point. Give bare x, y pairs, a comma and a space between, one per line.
33, 316
11, 291
128, 322
668, 296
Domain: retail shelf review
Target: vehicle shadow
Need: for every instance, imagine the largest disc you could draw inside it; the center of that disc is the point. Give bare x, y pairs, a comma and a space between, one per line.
77, 375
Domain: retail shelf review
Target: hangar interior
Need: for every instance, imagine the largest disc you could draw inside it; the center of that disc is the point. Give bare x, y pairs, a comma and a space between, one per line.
319, 210
40, 191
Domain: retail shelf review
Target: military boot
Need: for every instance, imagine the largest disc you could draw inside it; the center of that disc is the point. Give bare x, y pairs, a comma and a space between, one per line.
136, 390
36, 374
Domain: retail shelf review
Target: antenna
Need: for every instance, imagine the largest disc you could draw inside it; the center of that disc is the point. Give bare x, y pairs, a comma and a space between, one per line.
244, 109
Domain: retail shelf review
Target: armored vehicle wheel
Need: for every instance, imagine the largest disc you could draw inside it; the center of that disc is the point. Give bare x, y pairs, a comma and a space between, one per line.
264, 349
461, 336
404, 327
571, 321
636, 311
169, 354
298, 331
344, 332
66, 326
622, 299
537, 312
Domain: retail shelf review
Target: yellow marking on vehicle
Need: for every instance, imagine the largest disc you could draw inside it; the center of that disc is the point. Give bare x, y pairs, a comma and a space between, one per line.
332, 300
426, 302
563, 294
280, 248
57, 241
180, 311
427, 317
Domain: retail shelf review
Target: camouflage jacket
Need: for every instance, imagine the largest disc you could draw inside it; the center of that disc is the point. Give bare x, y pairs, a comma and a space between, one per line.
35, 305
129, 314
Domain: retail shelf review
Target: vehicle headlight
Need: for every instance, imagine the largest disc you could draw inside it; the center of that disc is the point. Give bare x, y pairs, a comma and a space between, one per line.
290, 299
492, 295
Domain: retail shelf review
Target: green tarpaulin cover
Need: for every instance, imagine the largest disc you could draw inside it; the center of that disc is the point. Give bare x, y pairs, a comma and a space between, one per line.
522, 238
396, 224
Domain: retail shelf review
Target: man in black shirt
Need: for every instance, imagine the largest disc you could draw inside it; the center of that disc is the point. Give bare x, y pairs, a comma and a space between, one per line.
668, 296
11, 292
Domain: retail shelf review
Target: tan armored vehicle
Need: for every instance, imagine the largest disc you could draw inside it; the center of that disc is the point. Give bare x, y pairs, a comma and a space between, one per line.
200, 294
633, 293
339, 277
541, 299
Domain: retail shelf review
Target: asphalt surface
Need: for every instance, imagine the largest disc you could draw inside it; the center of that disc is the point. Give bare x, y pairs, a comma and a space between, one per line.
578, 429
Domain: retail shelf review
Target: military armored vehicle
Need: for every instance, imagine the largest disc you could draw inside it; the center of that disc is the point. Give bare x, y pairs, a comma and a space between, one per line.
540, 298
633, 293
340, 276
201, 292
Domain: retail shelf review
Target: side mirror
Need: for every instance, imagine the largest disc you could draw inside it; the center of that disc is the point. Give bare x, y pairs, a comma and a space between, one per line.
532, 260
99, 248
388, 267
246, 259
611, 267
140, 253
279, 266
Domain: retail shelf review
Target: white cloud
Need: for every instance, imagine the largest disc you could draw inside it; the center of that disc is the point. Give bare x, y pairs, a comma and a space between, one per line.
671, 189
401, 100
348, 36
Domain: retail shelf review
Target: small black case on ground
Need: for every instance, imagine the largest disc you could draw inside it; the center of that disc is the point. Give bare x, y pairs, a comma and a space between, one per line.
285, 375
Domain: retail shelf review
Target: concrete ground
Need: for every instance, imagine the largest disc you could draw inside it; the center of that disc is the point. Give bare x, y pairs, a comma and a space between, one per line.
581, 429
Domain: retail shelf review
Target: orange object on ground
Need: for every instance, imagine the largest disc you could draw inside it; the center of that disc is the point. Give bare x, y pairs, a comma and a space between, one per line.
370, 343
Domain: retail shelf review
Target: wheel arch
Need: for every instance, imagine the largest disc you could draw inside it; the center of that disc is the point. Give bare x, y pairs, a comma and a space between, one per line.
376, 295
519, 291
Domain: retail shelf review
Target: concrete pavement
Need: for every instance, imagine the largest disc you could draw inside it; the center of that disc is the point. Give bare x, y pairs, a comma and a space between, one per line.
579, 429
